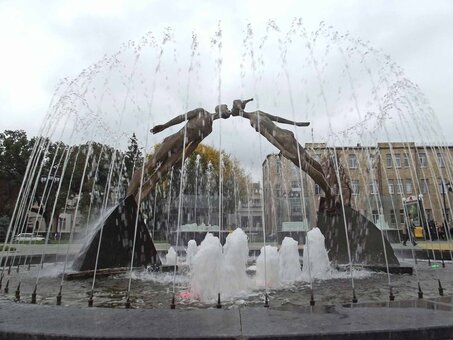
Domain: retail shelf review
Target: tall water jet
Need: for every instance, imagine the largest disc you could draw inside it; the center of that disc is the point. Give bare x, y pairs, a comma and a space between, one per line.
207, 268
289, 262
191, 251
267, 268
317, 264
170, 257
236, 252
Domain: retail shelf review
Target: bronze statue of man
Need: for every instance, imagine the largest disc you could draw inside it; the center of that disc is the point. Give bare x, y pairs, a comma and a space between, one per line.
198, 126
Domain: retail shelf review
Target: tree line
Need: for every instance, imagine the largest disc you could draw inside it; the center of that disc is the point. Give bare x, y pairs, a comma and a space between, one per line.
107, 173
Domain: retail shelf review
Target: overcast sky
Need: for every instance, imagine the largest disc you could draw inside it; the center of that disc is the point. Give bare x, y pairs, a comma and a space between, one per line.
45, 41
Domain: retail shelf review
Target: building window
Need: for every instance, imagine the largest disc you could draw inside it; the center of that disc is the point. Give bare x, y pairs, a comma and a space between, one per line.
429, 214
278, 191
391, 187
375, 216
408, 186
296, 206
317, 189
352, 161
295, 184
355, 186
424, 186
279, 167
399, 182
443, 187
317, 157
406, 160
371, 161
402, 219
398, 160
392, 217
422, 160
389, 160
440, 160
374, 189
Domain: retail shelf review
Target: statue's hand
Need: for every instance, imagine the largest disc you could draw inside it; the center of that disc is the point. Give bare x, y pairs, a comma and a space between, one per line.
157, 128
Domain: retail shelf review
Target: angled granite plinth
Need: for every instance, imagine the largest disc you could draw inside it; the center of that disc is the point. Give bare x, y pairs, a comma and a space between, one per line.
117, 242
364, 238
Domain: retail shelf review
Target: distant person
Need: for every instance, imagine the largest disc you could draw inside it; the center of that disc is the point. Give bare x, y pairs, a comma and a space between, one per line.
409, 233
432, 230
441, 231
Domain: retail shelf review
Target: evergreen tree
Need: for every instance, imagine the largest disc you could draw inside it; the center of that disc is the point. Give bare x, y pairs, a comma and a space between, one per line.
132, 158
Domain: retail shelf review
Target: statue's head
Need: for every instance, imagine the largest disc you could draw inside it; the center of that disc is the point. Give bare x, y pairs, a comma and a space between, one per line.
223, 110
239, 106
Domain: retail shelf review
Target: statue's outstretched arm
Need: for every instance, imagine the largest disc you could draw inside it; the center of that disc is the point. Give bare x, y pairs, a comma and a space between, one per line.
178, 119
278, 119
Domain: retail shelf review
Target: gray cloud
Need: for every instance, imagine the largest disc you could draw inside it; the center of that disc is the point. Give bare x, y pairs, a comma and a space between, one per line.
52, 40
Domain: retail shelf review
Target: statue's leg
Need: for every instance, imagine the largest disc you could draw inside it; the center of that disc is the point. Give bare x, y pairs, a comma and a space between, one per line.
149, 185
169, 147
169, 153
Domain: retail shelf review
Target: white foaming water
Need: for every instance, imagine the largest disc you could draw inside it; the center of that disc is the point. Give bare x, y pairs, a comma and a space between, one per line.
170, 258
315, 257
207, 267
271, 277
191, 251
289, 262
214, 271
236, 252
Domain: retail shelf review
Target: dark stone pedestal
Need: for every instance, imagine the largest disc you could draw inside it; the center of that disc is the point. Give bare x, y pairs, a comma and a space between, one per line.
118, 229
365, 239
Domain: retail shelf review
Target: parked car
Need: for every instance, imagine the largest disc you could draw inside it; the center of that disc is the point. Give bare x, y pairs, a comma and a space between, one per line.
28, 237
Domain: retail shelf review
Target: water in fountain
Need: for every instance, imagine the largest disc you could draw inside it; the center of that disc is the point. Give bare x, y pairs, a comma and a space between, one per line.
207, 277
191, 251
289, 262
311, 73
215, 271
267, 267
317, 265
170, 258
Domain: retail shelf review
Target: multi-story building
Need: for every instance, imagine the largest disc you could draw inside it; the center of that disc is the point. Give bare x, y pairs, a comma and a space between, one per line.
382, 177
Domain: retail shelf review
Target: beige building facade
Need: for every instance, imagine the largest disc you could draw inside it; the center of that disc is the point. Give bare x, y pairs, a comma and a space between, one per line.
383, 178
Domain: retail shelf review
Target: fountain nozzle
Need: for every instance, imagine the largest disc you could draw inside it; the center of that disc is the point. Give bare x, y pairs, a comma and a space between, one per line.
441, 289
312, 299
173, 305
7, 287
90, 300
219, 305
18, 293
59, 297
33, 296
420, 293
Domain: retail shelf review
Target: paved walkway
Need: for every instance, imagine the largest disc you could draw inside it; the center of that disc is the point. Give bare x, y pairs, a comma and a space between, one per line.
418, 319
